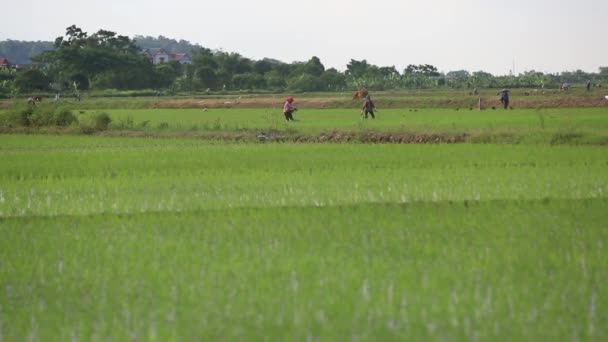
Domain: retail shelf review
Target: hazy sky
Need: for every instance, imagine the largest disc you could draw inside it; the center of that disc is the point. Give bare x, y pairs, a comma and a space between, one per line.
489, 35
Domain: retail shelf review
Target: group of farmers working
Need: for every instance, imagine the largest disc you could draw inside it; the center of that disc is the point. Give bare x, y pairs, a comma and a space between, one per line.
368, 107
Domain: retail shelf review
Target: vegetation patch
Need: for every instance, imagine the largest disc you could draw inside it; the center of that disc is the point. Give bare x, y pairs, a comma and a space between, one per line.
184, 239
37, 116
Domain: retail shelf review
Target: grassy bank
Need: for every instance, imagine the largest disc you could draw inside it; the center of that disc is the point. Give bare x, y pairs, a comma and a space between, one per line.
572, 126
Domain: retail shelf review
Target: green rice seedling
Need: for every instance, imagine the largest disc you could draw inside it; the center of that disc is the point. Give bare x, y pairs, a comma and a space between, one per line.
187, 239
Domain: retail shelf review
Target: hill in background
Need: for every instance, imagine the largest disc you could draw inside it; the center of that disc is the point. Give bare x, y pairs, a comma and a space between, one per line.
168, 44
21, 52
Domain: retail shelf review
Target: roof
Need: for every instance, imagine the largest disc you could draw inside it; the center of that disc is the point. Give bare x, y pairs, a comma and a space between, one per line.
178, 56
4, 61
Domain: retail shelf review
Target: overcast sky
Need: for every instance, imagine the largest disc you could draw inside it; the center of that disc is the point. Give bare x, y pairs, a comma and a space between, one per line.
489, 35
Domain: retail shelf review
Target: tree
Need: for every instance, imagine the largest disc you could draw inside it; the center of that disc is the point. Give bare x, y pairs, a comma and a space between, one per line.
102, 53
185, 81
167, 73
458, 78
388, 77
356, 72
138, 75
31, 80
7, 83
81, 80
205, 77
201, 59
304, 82
389, 72
458, 74
243, 65
481, 79
422, 69
332, 80
7, 74
532, 79
313, 67
356, 69
250, 80
603, 74
275, 80
262, 67
283, 69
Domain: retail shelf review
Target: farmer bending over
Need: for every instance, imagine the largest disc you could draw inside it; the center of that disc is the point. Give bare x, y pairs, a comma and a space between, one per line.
288, 109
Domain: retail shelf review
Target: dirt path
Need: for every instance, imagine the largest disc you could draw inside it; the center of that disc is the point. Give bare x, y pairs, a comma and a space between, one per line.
317, 103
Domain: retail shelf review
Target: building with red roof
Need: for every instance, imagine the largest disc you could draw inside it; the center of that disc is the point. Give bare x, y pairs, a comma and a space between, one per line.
160, 56
4, 63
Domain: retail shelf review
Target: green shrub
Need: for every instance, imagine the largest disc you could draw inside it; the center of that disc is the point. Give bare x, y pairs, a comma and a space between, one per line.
91, 123
37, 116
124, 123
63, 117
102, 121
18, 117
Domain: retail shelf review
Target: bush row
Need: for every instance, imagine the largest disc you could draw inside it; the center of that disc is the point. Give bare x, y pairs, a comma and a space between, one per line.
37, 116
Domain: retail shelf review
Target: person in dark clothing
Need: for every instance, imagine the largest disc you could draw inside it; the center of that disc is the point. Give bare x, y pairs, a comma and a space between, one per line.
588, 85
288, 109
368, 107
504, 98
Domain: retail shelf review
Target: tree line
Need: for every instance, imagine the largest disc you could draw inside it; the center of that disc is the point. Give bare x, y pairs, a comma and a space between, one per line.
105, 60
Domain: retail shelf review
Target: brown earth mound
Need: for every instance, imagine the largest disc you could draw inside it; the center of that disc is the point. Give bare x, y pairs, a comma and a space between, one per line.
322, 103
246, 103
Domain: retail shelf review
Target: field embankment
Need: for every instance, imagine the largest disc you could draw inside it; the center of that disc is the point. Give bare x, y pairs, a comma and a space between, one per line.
411, 99
572, 126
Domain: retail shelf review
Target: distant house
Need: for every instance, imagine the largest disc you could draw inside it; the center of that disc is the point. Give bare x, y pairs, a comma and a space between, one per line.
160, 56
4, 63
182, 58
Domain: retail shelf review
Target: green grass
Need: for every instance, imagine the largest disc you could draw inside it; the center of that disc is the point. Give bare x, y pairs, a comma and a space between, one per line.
493, 270
311, 120
178, 239
403, 113
68, 175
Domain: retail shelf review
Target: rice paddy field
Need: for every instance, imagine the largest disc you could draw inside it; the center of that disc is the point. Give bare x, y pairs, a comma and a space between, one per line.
105, 238
590, 120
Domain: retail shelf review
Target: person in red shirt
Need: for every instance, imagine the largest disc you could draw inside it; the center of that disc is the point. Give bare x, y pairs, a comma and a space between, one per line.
288, 109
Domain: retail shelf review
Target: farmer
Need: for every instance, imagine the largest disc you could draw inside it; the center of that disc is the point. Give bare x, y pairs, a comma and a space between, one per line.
288, 109
368, 107
504, 98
